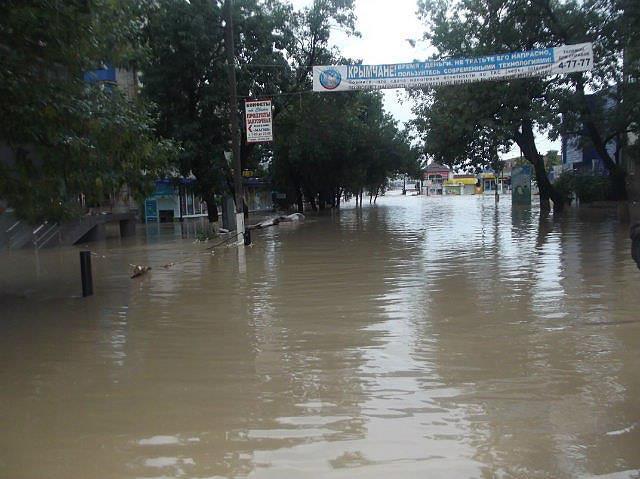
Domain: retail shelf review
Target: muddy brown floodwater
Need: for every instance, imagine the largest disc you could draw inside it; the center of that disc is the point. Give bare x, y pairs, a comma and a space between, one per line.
422, 337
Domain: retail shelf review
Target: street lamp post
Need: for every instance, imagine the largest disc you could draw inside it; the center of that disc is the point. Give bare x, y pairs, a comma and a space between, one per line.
233, 107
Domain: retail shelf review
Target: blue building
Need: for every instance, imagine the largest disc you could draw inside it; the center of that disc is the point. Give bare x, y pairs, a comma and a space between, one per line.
579, 156
174, 199
125, 80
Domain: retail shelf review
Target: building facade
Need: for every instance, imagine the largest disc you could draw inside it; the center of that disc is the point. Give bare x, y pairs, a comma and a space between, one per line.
125, 80
434, 177
579, 156
461, 185
174, 200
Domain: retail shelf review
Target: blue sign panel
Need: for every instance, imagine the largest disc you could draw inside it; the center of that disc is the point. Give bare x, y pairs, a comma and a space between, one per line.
151, 210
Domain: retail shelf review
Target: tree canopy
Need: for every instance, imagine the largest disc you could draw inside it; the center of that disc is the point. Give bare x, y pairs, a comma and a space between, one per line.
488, 118
62, 137
338, 143
468, 124
275, 47
65, 138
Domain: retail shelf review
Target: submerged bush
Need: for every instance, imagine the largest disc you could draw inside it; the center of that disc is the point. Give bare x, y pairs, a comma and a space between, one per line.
590, 188
565, 186
586, 187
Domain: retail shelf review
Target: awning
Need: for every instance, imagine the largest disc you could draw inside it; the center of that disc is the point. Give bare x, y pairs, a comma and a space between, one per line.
460, 181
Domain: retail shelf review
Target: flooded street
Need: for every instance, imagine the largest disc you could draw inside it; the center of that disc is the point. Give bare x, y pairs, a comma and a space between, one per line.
422, 337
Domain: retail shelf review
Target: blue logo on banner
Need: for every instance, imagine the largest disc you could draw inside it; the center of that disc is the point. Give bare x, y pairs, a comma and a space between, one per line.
330, 79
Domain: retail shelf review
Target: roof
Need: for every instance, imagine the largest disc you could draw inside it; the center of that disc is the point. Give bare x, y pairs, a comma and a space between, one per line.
436, 166
492, 176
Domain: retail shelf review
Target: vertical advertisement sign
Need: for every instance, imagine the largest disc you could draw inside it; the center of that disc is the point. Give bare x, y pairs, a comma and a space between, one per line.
259, 121
150, 209
521, 185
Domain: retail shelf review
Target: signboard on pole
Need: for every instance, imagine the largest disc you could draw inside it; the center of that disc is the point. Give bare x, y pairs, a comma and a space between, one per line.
259, 121
541, 62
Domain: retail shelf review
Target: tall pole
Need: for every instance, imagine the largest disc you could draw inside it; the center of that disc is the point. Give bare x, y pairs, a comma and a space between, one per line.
233, 107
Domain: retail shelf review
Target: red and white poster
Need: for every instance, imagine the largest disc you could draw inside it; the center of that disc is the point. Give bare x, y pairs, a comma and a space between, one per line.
259, 121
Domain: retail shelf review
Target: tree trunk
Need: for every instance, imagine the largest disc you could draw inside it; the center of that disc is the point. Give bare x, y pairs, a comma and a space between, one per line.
526, 142
312, 202
299, 201
635, 243
323, 199
212, 208
618, 183
545, 188
618, 177
633, 189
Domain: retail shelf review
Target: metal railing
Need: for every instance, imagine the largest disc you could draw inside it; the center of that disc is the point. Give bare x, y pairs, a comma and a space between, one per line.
16, 236
44, 233
13, 226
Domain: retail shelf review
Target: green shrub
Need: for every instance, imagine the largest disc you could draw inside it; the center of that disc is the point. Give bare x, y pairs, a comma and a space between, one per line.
587, 187
565, 185
204, 234
590, 188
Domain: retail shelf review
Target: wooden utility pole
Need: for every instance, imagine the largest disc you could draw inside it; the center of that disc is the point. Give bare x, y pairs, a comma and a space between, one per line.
233, 107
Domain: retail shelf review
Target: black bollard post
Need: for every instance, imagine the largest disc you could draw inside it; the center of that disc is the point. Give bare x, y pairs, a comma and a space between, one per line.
85, 273
247, 237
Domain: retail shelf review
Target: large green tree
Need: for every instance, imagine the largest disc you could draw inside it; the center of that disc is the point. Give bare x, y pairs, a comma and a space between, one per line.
511, 111
330, 144
465, 122
601, 107
275, 47
60, 136
185, 75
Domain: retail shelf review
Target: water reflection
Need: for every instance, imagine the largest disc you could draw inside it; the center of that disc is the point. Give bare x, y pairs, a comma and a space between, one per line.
420, 337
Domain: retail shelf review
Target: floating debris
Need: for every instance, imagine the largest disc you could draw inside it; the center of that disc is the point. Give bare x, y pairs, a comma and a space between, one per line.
139, 270
292, 218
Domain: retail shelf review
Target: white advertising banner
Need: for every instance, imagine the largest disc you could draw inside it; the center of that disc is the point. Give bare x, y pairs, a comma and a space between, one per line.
259, 121
541, 62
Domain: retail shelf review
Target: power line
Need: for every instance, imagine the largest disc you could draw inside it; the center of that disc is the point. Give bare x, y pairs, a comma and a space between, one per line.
267, 65
276, 94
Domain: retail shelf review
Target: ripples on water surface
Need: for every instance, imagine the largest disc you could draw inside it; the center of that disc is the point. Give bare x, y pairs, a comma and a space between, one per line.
423, 337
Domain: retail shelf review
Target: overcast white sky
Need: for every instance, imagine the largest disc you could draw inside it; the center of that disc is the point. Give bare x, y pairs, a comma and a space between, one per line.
385, 25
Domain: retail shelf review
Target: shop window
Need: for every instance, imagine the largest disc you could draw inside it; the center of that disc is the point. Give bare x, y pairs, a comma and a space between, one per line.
189, 204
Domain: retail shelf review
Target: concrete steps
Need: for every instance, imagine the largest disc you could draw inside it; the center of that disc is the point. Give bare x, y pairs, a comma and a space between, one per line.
15, 234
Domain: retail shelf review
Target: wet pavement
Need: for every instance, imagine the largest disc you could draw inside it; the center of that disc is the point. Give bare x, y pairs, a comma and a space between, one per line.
421, 337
